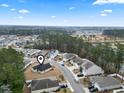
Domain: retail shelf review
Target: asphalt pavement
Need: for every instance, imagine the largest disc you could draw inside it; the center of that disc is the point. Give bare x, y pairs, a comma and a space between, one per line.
77, 87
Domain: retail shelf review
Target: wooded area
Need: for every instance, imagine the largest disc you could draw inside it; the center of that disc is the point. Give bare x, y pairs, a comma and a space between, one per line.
28, 30
114, 33
11, 69
104, 55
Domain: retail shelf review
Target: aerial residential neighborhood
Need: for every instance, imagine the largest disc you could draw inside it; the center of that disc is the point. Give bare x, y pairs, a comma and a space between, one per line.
61, 71
79, 68
61, 46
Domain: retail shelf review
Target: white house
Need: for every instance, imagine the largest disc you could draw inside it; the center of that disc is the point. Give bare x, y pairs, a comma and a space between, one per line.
89, 68
105, 83
53, 53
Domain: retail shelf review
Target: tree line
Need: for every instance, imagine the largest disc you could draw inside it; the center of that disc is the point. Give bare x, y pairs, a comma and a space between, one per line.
114, 33
28, 30
11, 69
110, 59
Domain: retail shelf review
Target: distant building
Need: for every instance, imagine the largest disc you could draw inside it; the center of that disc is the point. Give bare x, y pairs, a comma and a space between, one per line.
105, 83
44, 85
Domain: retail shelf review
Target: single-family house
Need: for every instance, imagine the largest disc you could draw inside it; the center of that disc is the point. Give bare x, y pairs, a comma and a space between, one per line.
53, 53
89, 68
68, 56
44, 85
103, 83
42, 68
42, 52
77, 61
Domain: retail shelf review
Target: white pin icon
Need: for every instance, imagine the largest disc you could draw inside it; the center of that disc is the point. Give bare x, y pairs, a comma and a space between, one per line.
40, 59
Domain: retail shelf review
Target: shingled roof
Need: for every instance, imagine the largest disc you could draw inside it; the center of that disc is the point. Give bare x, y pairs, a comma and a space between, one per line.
68, 55
43, 84
107, 82
42, 67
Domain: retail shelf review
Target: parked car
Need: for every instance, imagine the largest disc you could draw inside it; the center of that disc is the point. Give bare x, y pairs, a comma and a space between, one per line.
80, 75
63, 86
93, 89
62, 64
90, 87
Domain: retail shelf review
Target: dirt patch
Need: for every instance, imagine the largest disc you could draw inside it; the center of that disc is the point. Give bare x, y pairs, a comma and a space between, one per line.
66, 90
85, 82
26, 89
29, 75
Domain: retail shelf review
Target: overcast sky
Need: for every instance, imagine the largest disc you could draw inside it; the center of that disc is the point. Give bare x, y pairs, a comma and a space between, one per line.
62, 12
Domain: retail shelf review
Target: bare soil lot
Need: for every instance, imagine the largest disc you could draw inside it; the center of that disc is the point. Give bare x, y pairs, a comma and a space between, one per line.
29, 75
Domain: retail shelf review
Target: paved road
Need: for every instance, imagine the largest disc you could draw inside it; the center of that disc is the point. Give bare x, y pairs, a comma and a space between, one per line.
77, 87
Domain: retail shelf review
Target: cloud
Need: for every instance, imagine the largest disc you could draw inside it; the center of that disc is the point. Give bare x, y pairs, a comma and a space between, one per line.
4, 5
71, 8
103, 14
106, 12
12, 9
53, 16
23, 11
19, 17
102, 2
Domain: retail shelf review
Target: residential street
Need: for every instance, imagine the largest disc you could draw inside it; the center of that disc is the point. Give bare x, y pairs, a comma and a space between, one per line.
77, 87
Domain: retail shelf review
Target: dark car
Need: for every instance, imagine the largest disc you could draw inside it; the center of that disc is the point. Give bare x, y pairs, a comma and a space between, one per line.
63, 86
90, 87
80, 75
62, 64
93, 89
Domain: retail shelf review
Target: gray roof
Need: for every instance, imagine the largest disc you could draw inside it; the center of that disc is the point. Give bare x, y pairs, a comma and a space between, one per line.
68, 55
78, 60
42, 67
87, 64
42, 52
43, 84
105, 81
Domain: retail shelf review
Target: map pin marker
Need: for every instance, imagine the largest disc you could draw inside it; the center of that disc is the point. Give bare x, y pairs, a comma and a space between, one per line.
40, 59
